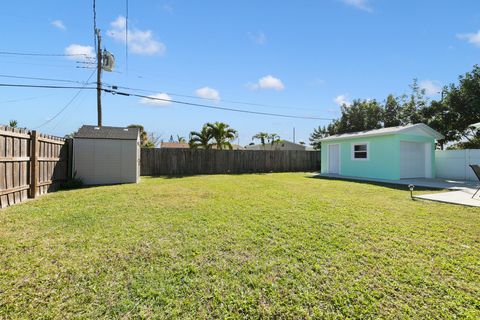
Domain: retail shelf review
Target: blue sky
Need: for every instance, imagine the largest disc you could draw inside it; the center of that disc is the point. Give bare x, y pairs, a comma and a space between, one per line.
299, 57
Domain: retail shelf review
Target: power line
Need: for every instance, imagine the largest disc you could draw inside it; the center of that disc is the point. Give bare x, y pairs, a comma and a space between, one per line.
215, 100
165, 100
37, 54
26, 99
68, 103
43, 86
40, 79
215, 107
41, 64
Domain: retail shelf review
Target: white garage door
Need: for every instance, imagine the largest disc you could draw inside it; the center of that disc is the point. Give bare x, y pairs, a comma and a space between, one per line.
413, 160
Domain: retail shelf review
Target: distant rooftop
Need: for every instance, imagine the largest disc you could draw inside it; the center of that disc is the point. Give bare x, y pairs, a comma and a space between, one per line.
104, 132
174, 145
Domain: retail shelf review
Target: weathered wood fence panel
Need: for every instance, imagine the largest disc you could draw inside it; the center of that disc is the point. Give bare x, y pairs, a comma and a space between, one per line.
31, 164
198, 161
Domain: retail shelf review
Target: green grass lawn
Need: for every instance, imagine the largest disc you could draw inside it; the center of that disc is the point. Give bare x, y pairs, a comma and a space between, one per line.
239, 246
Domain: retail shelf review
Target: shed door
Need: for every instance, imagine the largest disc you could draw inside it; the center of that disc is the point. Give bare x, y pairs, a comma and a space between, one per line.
334, 158
413, 159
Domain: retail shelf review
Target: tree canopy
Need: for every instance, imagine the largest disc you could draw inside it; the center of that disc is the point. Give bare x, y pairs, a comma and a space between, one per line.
451, 116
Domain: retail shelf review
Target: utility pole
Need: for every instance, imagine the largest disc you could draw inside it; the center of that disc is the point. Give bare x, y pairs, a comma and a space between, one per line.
293, 134
99, 77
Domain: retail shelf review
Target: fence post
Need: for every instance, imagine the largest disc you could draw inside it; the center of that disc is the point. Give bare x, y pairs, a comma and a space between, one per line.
33, 164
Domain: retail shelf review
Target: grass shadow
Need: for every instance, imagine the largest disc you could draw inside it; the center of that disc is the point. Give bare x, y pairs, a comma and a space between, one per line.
392, 185
180, 176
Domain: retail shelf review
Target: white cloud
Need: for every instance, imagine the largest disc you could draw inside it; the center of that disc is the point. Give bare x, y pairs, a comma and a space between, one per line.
268, 82
342, 100
139, 41
168, 8
473, 38
258, 37
80, 52
359, 4
158, 99
431, 87
58, 24
208, 93
317, 82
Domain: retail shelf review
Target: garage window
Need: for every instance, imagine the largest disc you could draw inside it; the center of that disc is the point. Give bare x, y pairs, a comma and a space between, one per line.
360, 151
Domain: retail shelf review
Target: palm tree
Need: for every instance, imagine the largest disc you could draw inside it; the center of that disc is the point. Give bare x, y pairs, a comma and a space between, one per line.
13, 123
273, 138
222, 134
262, 136
143, 133
200, 139
181, 139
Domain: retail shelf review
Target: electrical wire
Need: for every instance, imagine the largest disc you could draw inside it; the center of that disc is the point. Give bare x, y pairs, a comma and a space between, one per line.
44, 86
215, 100
37, 54
68, 103
215, 107
26, 99
40, 79
40, 64
158, 99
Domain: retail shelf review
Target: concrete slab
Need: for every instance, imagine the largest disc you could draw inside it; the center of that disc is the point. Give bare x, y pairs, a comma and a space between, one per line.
420, 182
463, 197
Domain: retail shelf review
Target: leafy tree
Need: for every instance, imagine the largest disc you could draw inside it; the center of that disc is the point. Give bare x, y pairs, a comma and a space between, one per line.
153, 141
262, 136
316, 135
473, 143
437, 117
413, 105
461, 108
222, 134
13, 123
392, 112
359, 116
201, 139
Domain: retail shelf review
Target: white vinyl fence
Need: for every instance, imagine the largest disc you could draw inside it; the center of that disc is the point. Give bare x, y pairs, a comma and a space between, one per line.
453, 164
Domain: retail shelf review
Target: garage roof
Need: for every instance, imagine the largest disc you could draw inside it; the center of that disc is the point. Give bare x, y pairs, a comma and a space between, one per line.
116, 133
414, 129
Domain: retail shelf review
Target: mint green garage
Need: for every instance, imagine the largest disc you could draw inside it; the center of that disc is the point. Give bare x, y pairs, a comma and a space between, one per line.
388, 153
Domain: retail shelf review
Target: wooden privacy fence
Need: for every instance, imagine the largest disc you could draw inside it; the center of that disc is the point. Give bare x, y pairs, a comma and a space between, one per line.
31, 164
198, 161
